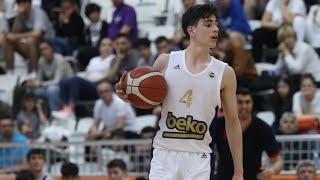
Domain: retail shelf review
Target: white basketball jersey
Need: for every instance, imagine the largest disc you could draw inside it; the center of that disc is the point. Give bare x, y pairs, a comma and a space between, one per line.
190, 107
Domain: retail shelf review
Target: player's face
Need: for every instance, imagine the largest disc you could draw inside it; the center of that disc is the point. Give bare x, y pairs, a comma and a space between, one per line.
116, 174
206, 32
307, 173
36, 162
245, 105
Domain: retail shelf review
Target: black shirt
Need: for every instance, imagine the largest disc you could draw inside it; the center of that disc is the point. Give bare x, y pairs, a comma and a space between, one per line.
258, 137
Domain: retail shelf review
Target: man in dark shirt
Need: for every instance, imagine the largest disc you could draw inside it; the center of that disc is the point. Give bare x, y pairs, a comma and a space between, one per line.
257, 137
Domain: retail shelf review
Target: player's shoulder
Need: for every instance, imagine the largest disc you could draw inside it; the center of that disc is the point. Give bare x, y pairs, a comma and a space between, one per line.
161, 62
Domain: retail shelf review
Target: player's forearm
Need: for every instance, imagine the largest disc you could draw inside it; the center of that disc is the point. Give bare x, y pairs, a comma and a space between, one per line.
234, 135
277, 166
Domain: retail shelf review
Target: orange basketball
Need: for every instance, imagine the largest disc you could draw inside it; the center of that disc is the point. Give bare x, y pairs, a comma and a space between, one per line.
145, 87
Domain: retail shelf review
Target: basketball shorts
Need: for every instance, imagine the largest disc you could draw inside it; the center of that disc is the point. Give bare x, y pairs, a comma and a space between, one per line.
175, 165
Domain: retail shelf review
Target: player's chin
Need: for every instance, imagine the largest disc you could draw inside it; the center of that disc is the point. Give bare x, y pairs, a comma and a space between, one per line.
212, 44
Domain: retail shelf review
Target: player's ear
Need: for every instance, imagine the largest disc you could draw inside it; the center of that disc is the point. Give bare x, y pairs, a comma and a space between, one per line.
191, 31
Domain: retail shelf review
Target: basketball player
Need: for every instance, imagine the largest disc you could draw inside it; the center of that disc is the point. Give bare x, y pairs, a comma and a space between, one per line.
198, 85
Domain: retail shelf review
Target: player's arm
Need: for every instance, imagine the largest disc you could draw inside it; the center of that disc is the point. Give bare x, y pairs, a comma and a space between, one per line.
233, 128
161, 63
277, 163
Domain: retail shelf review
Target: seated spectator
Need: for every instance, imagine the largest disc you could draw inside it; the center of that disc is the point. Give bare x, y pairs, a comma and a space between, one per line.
25, 175
76, 88
306, 102
288, 124
69, 171
162, 45
281, 101
12, 159
147, 57
277, 13
313, 27
51, 69
254, 8
233, 19
30, 25
69, 30
96, 30
124, 21
36, 162
306, 171
117, 170
31, 117
296, 57
110, 113
126, 58
4, 29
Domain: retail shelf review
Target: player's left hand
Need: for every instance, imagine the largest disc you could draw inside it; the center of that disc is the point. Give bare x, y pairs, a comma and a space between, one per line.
265, 174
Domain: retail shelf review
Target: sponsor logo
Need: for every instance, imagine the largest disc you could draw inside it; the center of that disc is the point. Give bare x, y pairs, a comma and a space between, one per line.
176, 67
204, 156
212, 74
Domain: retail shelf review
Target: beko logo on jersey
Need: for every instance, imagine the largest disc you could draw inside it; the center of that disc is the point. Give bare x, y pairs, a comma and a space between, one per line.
189, 128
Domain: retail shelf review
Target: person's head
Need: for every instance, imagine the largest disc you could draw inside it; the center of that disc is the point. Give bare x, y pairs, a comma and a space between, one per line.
117, 3
147, 132
245, 103
29, 102
223, 41
105, 92
162, 45
200, 23
36, 160
287, 35
6, 125
69, 171
46, 50
283, 87
308, 86
24, 6
224, 3
92, 11
288, 123
25, 175
188, 3
122, 43
68, 6
143, 46
306, 171
105, 47
117, 170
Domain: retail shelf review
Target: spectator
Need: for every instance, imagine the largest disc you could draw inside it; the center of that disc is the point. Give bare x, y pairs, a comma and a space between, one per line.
117, 170
277, 13
51, 69
96, 30
306, 171
147, 132
69, 30
31, 117
306, 102
76, 88
111, 113
163, 45
4, 29
147, 57
289, 124
36, 162
313, 27
233, 20
12, 158
31, 24
257, 137
254, 8
126, 57
25, 175
124, 21
282, 100
70, 171
296, 57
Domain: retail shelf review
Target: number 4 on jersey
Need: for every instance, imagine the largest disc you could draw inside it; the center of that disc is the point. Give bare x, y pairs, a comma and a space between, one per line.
187, 98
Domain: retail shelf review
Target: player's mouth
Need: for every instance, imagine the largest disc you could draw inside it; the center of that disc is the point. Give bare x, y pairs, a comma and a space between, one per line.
214, 37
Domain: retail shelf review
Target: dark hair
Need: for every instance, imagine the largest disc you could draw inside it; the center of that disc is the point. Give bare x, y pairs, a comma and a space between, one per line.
117, 163
308, 76
222, 35
147, 129
143, 42
36, 151
69, 1
161, 39
92, 7
69, 169
243, 91
25, 175
47, 42
5, 115
123, 35
192, 16
23, 1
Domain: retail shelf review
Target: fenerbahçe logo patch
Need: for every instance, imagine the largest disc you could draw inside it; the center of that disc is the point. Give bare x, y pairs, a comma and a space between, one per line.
188, 128
212, 74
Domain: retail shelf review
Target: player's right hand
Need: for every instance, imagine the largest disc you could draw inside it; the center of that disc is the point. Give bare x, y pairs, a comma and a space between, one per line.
120, 87
237, 177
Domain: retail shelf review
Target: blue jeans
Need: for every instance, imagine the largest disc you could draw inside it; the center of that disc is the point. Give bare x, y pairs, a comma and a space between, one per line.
75, 88
51, 94
61, 46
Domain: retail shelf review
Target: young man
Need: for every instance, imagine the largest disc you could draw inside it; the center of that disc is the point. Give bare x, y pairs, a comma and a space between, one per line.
36, 161
198, 85
117, 170
257, 137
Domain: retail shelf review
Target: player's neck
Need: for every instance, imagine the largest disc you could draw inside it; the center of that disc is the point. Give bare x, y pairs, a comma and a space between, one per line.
197, 54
